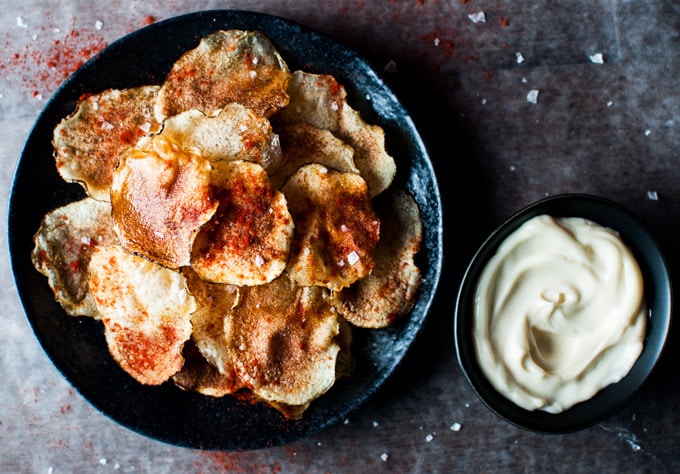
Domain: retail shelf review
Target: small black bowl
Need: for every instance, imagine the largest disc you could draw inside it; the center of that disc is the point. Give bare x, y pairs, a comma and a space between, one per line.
657, 294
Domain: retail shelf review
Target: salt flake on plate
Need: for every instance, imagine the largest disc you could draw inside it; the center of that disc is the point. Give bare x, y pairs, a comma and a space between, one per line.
455, 427
478, 17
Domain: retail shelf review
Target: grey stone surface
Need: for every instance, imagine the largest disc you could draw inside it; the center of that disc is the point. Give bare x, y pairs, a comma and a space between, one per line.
610, 129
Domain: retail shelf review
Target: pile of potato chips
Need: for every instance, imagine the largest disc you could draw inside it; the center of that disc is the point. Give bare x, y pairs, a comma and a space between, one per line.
239, 221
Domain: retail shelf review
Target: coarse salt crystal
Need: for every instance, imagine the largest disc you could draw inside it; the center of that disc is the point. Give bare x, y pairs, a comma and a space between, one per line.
652, 195
478, 17
344, 228
455, 427
648, 132
21, 23
512, 168
368, 97
610, 103
520, 57
107, 125
375, 424
437, 41
145, 127
253, 74
532, 96
98, 25
353, 258
335, 106
103, 461
429, 438
384, 456
159, 234
256, 60
259, 261
596, 58
85, 240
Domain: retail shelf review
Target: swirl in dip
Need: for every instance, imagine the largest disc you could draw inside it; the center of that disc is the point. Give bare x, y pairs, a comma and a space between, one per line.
559, 313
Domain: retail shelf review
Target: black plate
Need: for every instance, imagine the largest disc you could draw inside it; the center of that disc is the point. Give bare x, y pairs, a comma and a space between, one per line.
658, 295
76, 345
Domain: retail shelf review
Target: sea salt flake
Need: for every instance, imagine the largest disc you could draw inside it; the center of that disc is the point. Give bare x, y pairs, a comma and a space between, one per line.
353, 258
253, 74
478, 17
455, 427
21, 23
596, 58
103, 461
344, 228
335, 106
375, 424
437, 41
259, 261
98, 25
107, 125
159, 234
652, 195
384, 457
532, 96
429, 437
520, 57
610, 103
145, 127
648, 132
368, 97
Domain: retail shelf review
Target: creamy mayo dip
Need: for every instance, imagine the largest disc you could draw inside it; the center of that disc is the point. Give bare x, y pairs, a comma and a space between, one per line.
559, 313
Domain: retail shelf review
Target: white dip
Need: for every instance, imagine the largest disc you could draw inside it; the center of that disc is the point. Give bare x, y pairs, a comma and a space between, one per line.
559, 313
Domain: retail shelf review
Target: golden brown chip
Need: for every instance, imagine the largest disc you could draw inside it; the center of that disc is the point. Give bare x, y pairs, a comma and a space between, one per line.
321, 101
236, 133
248, 240
198, 375
336, 229
160, 198
283, 341
87, 143
213, 302
63, 246
303, 144
389, 291
146, 310
227, 66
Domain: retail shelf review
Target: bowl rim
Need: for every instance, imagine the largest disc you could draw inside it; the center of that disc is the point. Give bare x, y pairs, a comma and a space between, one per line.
658, 293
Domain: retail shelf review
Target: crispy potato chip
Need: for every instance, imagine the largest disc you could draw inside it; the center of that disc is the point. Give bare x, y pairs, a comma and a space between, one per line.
87, 143
213, 302
321, 101
282, 340
248, 240
146, 310
198, 375
336, 229
388, 293
161, 197
303, 144
63, 246
227, 66
236, 133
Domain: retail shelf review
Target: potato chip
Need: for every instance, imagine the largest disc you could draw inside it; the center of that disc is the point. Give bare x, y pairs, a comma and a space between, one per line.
319, 100
303, 144
63, 246
227, 66
213, 302
146, 310
248, 240
235, 133
388, 293
87, 143
161, 197
282, 340
336, 229
198, 375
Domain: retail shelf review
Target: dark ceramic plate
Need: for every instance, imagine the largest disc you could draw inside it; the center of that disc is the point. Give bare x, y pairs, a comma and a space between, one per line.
76, 345
658, 296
